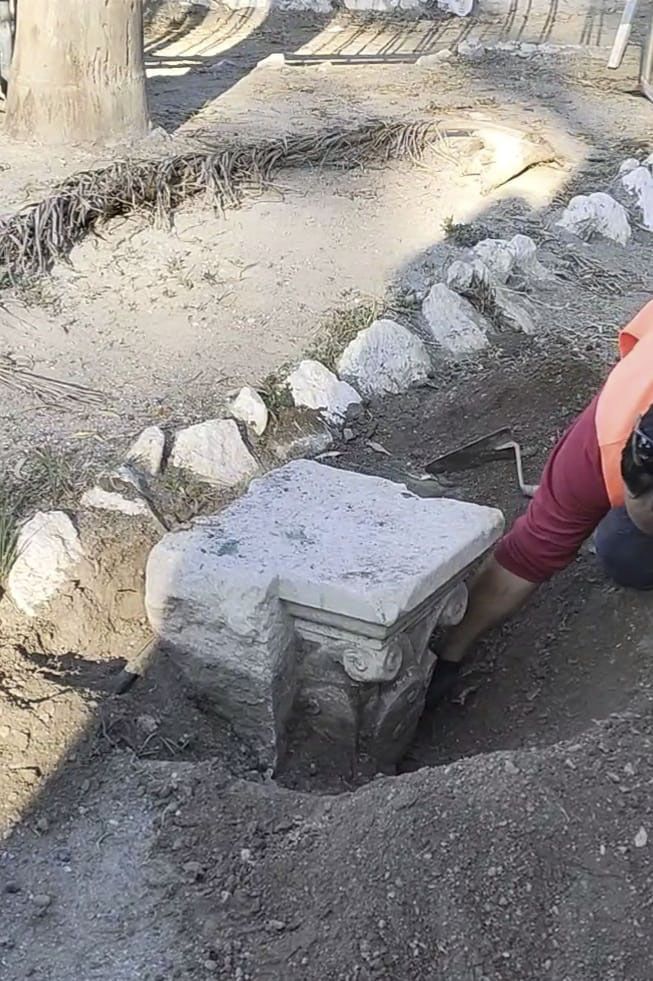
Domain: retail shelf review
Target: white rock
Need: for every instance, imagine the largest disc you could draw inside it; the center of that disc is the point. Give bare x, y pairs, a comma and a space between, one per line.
526, 50
639, 183
436, 59
384, 359
472, 49
462, 276
147, 450
497, 255
378, 5
648, 161
315, 387
524, 251
596, 213
629, 164
308, 551
47, 553
249, 407
214, 450
641, 838
275, 60
507, 45
104, 500
460, 8
453, 321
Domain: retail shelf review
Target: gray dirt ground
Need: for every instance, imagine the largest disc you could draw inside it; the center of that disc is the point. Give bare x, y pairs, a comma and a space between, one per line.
139, 840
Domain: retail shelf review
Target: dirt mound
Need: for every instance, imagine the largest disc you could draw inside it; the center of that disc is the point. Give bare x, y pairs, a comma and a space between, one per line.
504, 867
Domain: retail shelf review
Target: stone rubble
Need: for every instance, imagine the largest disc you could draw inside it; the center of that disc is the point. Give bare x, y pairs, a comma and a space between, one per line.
497, 255
48, 552
98, 498
147, 450
639, 185
384, 359
598, 213
215, 452
249, 407
436, 59
306, 591
315, 387
454, 323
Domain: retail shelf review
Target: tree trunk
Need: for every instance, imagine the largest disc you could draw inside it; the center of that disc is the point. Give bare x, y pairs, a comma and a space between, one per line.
78, 71
5, 43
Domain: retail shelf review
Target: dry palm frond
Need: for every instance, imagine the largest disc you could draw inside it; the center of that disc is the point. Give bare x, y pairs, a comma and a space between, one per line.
35, 237
17, 373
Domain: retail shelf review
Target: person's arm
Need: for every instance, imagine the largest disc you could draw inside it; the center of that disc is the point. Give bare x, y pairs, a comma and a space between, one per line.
566, 508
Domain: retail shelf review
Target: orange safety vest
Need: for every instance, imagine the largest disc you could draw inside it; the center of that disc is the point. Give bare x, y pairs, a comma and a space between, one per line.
627, 394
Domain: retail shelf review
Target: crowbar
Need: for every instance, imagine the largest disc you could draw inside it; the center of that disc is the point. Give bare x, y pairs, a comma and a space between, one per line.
499, 445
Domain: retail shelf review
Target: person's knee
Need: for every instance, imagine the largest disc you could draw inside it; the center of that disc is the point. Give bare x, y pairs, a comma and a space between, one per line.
625, 553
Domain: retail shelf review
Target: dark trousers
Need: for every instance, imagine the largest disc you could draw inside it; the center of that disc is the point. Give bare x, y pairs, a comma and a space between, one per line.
625, 552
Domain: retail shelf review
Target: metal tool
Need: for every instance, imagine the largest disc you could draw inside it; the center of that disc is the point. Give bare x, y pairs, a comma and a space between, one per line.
621, 42
499, 445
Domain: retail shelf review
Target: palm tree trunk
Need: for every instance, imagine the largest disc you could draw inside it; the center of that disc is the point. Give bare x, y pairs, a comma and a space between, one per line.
78, 72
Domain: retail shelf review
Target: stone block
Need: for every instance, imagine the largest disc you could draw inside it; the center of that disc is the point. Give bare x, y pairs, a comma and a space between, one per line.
313, 386
599, 213
48, 552
384, 359
639, 184
315, 595
453, 321
147, 450
215, 452
249, 407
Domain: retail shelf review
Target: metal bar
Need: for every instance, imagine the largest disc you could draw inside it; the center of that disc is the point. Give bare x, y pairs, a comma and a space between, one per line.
622, 35
646, 64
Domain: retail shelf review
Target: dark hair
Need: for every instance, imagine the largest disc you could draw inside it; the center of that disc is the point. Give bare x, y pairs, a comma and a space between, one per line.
637, 457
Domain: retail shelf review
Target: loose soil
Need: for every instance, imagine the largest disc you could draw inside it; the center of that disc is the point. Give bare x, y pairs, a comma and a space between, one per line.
140, 839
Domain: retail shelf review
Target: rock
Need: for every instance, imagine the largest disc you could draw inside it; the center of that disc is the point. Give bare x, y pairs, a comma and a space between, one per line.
384, 359
514, 313
596, 213
194, 870
641, 838
104, 500
42, 825
249, 407
48, 552
315, 387
639, 184
524, 252
275, 60
471, 49
631, 163
215, 452
464, 276
436, 59
460, 8
147, 450
497, 255
256, 604
15, 739
526, 50
453, 321
275, 926
299, 433
42, 901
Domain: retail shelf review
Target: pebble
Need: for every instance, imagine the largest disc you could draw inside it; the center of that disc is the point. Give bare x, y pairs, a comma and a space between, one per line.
275, 926
42, 825
42, 902
245, 855
641, 838
510, 767
211, 965
194, 869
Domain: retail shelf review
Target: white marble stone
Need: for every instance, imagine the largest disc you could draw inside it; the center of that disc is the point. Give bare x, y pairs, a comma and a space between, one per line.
596, 213
147, 450
103, 500
497, 255
384, 359
459, 8
249, 407
631, 163
48, 552
639, 184
313, 386
215, 452
453, 321
435, 60
357, 566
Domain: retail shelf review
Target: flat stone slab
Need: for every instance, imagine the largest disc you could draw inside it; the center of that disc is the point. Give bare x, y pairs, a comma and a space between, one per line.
341, 542
315, 581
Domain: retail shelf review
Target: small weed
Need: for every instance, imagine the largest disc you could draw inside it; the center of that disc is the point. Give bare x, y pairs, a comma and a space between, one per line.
40, 293
49, 478
341, 328
275, 390
465, 236
10, 511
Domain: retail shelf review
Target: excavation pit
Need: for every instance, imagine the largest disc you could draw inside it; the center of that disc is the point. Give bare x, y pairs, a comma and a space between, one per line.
312, 599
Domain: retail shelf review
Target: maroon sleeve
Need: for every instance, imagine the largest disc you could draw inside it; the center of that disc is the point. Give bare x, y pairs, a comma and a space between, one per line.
570, 502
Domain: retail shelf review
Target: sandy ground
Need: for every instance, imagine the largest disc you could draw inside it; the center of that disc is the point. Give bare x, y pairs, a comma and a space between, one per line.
139, 839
